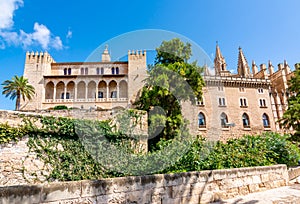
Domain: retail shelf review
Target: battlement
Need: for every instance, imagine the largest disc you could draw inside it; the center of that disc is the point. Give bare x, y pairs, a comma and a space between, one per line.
137, 52
42, 57
264, 72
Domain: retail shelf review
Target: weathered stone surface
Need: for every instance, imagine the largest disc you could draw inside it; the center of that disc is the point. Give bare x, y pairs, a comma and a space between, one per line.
94, 187
193, 187
198, 188
195, 199
253, 188
20, 194
181, 191
207, 197
20, 166
244, 190
61, 191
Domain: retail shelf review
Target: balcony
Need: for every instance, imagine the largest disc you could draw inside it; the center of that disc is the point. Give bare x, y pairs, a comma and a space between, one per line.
88, 100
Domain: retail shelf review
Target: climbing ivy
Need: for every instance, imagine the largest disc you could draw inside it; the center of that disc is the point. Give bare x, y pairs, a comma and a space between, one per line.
8, 133
73, 147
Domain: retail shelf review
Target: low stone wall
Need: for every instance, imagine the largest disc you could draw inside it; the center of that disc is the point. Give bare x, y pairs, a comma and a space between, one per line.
192, 187
13, 117
294, 172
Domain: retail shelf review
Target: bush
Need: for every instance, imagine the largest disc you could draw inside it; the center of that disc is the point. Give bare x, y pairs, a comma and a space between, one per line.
74, 162
60, 107
260, 150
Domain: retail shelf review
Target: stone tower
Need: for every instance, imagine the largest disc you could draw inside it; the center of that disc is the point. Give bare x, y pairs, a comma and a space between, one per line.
105, 55
36, 66
243, 67
137, 73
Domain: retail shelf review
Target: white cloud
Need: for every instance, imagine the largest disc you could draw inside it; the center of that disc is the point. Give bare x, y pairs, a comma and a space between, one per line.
10, 38
56, 43
69, 34
41, 35
7, 8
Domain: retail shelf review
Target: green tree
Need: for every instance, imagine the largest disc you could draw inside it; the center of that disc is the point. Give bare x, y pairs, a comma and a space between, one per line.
171, 80
291, 117
173, 51
18, 88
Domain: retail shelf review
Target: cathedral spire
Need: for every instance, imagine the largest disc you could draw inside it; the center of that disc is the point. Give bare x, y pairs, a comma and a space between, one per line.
219, 61
243, 67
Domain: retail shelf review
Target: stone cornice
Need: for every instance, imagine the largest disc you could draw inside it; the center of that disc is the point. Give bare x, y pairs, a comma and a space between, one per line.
236, 81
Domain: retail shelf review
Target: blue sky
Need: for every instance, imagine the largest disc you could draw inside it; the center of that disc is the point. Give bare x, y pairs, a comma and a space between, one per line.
71, 30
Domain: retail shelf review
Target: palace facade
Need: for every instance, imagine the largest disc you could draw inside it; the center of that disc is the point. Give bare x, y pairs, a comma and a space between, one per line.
84, 85
232, 105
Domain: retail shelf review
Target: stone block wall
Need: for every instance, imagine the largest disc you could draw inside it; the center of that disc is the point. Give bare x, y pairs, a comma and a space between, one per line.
294, 172
192, 187
19, 166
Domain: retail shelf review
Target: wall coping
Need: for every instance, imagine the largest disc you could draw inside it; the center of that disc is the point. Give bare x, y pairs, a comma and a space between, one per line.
171, 185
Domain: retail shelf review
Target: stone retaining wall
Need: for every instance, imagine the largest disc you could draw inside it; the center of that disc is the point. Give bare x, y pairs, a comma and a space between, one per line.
294, 172
13, 117
19, 166
192, 187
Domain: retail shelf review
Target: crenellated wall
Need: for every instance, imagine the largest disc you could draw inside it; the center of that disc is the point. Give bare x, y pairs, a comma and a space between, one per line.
192, 187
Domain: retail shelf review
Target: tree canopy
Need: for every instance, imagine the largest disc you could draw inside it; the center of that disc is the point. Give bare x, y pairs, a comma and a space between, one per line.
18, 88
171, 80
291, 117
173, 51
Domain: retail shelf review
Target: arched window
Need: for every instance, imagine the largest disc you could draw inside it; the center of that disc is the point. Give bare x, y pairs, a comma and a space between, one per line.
246, 121
117, 70
62, 96
201, 120
224, 120
102, 70
266, 122
113, 70
69, 71
67, 95
97, 71
86, 71
82, 71
65, 71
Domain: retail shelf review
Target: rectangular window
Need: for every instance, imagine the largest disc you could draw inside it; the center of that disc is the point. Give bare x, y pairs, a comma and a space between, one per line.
243, 103
262, 103
242, 89
200, 102
220, 88
222, 102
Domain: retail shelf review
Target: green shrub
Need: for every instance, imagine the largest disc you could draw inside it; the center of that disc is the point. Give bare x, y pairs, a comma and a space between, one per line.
60, 107
73, 162
260, 150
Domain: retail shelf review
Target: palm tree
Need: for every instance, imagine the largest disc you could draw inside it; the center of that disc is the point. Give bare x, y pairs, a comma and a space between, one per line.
18, 87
